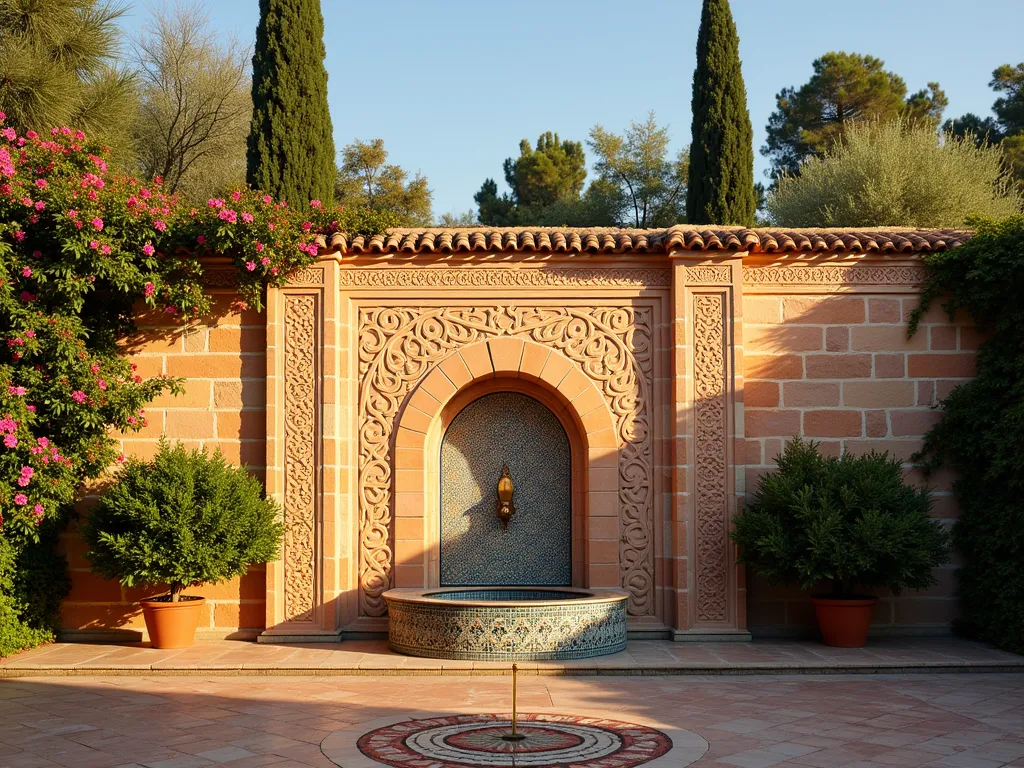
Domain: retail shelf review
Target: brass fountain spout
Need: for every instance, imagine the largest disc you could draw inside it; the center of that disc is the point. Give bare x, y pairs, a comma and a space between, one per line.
505, 490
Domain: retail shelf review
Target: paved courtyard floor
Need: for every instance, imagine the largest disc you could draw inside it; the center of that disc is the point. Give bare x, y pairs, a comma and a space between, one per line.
944, 720
640, 657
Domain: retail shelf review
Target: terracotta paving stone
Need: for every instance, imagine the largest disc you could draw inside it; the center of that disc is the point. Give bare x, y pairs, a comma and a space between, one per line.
750, 721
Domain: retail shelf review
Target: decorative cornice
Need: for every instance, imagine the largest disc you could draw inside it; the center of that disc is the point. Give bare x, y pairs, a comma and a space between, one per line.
504, 277
835, 276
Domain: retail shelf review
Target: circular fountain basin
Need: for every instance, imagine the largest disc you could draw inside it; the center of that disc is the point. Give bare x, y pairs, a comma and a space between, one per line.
506, 623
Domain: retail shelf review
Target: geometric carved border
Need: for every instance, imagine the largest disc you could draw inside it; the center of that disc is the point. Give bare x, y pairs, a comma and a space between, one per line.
301, 374
710, 425
612, 345
580, 277
835, 276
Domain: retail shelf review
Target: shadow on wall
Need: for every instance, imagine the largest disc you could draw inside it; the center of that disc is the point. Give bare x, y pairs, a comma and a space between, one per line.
840, 370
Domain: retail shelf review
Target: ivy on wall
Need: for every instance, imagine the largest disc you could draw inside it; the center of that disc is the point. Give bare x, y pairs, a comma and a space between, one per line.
80, 248
981, 434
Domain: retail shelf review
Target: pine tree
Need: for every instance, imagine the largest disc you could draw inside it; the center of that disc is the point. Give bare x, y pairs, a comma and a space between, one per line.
291, 146
721, 182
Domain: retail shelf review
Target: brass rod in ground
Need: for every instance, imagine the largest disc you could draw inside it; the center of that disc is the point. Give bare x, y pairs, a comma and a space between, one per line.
515, 669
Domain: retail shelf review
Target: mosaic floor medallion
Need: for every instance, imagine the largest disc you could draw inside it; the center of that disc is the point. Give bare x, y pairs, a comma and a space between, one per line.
552, 741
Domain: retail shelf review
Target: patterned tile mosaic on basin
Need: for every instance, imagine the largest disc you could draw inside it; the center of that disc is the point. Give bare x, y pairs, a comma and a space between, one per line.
506, 428
573, 629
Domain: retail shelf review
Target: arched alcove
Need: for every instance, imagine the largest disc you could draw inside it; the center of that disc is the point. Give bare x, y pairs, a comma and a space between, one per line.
497, 430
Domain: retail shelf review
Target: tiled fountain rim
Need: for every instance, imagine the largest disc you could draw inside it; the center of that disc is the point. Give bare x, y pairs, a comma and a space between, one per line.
587, 596
340, 746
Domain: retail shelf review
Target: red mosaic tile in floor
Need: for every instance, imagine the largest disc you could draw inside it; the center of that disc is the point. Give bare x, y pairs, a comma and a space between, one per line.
829, 721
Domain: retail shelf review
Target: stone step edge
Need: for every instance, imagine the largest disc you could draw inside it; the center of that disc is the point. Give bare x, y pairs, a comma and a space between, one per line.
11, 672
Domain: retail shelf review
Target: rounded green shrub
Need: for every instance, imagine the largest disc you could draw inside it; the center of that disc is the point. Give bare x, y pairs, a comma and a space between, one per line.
851, 521
182, 519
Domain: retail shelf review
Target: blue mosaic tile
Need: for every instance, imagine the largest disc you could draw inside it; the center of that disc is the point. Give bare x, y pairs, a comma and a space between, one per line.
536, 549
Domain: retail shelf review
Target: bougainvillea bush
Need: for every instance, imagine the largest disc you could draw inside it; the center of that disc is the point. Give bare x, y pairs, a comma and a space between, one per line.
80, 249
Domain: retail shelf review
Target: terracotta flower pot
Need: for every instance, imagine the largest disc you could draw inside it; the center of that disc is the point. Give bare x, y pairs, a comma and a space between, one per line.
172, 625
844, 622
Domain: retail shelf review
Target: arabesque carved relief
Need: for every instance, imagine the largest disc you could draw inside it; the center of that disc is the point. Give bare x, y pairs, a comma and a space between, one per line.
527, 277
709, 375
836, 275
300, 434
398, 346
709, 274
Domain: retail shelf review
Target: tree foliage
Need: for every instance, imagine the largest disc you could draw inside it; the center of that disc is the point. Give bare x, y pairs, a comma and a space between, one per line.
850, 521
641, 185
185, 518
58, 66
291, 147
1007, 126
981, 434
551, 174
845, 88
366, 180
895, 174
721, 174
195, 104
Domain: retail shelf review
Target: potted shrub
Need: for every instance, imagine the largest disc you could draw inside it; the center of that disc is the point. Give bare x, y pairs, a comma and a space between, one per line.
183, 519
851, 522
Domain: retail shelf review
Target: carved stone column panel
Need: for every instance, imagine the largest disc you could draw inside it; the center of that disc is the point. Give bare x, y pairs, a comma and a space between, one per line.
295, 461
708, 423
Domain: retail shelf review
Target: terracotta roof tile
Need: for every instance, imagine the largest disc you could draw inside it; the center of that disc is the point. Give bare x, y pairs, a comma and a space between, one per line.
611, 241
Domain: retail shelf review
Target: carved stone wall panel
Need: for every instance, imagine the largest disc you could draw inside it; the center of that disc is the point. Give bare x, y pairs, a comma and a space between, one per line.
397, 346
301, 344
835, 276
307, 276
573, 277
710, 431
709, 274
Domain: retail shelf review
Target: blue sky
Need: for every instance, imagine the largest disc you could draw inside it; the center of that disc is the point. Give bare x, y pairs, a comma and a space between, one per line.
453, 85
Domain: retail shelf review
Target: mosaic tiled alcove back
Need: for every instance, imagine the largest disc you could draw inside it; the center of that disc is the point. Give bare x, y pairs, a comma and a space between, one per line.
536, 550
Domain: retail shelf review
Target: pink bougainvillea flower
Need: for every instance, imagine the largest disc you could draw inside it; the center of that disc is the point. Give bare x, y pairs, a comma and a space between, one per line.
160, 225
236, 196
41, 183
146, 194
315, 204
30, 408
148, 249
105, 250
19, 235
270, 226
26, 272
150, 288
306, 226
120, 458
10, 134
247, 217
40, 205
250, 265
97, 224
42, 442
215, 202
201, 239
30, 333
71, 214
259, 247
265, 261
17, 391
94, 244
20, 499
38, 510
102, 384
23, 482
95, 367
10, 441
268, 199
78, 396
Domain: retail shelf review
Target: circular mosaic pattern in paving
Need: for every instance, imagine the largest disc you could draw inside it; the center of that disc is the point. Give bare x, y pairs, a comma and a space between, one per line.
551, 740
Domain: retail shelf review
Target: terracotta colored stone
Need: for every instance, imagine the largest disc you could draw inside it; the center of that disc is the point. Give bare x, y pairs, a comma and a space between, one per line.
760, 394
772, 423
800, 394
823, 310
884, 311
944, 366
772, 366
890, 366
837, 339
838, 366
832, 423
879, 394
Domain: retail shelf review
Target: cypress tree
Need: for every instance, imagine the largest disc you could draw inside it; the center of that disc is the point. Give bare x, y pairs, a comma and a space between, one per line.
721, 182
290, 153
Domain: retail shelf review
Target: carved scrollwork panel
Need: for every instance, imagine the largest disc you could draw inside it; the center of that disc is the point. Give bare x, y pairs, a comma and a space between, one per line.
398, 346
709, 371
835, 276
426, 277
709, 274
300, 463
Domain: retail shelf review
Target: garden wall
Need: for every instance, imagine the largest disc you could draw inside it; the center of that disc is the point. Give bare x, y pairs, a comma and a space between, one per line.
839, 369
223, 359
